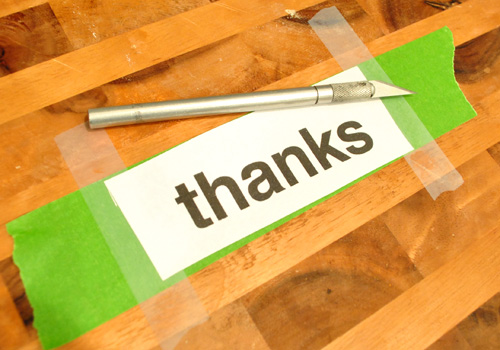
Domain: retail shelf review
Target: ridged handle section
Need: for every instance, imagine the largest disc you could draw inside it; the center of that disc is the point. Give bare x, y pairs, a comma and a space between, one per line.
352, 91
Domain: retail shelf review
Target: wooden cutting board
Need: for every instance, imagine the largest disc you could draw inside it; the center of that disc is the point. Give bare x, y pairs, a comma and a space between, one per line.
395, 270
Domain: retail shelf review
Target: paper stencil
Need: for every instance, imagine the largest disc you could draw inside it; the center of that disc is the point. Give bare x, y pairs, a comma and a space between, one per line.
275, 162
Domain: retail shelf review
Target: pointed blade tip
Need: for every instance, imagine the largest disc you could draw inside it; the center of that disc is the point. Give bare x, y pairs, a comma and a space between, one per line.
383, 89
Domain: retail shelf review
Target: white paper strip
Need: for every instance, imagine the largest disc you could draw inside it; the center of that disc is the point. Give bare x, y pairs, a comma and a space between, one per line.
223, 185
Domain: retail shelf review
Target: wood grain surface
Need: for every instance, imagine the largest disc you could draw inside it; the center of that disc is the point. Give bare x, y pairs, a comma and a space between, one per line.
380, 265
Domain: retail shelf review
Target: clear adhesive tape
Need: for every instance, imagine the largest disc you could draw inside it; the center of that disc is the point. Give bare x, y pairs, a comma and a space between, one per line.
428, 162
90, 156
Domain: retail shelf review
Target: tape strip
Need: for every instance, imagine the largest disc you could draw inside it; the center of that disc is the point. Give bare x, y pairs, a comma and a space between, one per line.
339, 38
434, 169
429, 162
91, 156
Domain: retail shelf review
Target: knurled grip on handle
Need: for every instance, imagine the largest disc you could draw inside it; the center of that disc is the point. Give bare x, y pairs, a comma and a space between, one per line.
352, 91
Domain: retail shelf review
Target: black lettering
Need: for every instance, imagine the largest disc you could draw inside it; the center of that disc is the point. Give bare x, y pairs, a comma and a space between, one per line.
355, 136
280, 160
210, 195
186, 197
266, 175
321, 152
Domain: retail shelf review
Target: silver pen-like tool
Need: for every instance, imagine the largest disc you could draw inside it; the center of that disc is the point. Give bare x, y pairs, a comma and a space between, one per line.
246, 102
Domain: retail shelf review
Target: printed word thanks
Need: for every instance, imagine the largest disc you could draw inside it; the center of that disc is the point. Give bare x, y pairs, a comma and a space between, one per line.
323, 151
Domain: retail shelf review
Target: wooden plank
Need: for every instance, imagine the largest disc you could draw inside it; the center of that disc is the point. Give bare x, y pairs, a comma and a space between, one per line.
6, 243
30, 37
12, 6
28, 166
464, 27
494, 151
10, 276
453, 340
78, 71
13, 332
130, 330
428, 310
433, 232
89, 22
477, 65
394, 16
482, 327
33, 345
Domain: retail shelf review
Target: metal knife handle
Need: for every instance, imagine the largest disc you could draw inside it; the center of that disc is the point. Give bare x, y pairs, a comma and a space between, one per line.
254, 101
